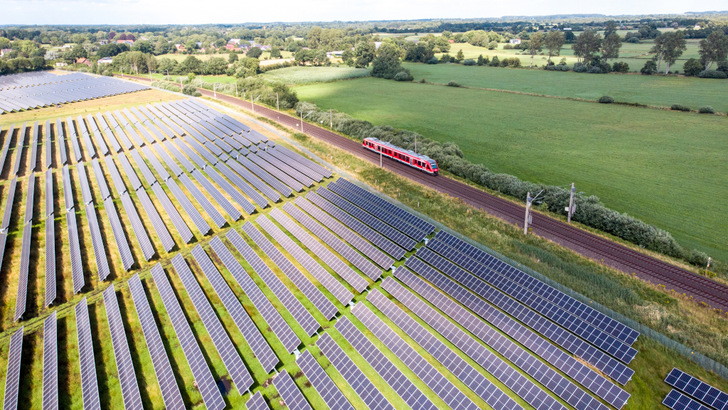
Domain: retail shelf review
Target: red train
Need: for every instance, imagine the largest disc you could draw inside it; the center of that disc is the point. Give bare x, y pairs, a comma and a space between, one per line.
405, 156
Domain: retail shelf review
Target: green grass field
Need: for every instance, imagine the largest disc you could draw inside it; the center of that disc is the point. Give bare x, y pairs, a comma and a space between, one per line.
306, 75
664, 167
658, 91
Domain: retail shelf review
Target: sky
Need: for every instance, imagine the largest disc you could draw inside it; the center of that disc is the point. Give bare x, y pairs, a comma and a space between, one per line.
242, 11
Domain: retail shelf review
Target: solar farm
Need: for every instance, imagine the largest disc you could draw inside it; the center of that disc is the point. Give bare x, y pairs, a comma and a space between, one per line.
171, 255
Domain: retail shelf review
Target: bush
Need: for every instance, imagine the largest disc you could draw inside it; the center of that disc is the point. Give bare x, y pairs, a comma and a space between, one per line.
706, 110
680, 107
620, 67
712, 74
469, 61
605, 99
649, 68
403, 76
595, 70
579, 68
191, 90
556, 67
454, 84
433, 60
692, 67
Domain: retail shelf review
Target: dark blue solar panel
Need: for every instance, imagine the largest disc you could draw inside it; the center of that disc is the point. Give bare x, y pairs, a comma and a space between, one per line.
677, 401
698, 389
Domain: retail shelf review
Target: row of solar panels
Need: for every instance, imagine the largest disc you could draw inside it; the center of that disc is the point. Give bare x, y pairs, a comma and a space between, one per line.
692, 393
34, 78
43, 95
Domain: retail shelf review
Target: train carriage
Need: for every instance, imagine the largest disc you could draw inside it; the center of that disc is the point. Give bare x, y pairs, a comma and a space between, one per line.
405, 156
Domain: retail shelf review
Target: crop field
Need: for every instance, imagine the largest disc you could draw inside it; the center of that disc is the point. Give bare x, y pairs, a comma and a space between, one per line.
306, 75
663, 167
658, 91
633, 54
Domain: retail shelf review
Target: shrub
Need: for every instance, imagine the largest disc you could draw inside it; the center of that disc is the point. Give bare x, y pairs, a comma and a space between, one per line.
403, 76
495, 62
692, 67
469, 61
595, 70
579, 68
556, 67
680, 107
423, 81
620, 67
649, 68
706, 110
605, 99
190, 90
712, 74
454, 84
433, 60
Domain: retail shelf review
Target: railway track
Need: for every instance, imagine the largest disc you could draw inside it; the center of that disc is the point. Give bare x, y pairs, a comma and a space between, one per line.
602, 250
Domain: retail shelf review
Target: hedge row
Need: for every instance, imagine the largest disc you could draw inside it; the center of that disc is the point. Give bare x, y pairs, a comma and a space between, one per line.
590, 211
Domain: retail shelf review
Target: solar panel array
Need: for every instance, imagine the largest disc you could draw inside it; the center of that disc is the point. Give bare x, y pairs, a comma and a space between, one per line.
50, 362
162, 368
20, 301
252, 335
292, 397
124, 365
200, 371
89, 385
54, 89
256, 402
678, 401
50, 241
280, 290
382, 365
333, 397
697, 389
12, 375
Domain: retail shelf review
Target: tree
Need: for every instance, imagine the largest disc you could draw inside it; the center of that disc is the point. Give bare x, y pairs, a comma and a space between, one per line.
554, 41
610, 28
275, 52
191, 64
569, 36
364, 53
460, 56
649, 68
4, 42
233, 57
216, 66
692, 67
535, 45
386, 64
143, 46
713, 49
111, 35
610, 46
481, 60
254, 52
420, 52
668, 47
78, 52
587, 45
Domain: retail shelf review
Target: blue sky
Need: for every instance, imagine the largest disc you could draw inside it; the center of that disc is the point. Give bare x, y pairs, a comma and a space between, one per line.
226, 11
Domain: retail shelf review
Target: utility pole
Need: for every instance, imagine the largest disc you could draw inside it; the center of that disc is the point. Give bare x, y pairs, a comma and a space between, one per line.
380, 158
180, 84
415, 143
252, 106
236, 89
214, 92
301, 122
331, 119
529, 219
571, 207
278, 108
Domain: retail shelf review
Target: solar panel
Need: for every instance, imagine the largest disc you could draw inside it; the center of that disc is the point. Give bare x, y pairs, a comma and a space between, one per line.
243, 186
85, 187
217, 196
6, 147
78, 156
336, 264
698, 389
290, 302
75, 250
138, 227
50, 363
269, 313
19, 150
89, 385
200, 371
124, 364
341, 293
48, 145
678, 401
50, 259
256, 402
161, 171
12, 375
489, 361
34, 147
159, 227
444, 389
97, 241
29, 202
9, 204
229, 189
547, 376
86, 137
101, 179
127, 259
285, 167
179, 156
354, 257
373, 222
382, 365
163, 370
322, 382
265, 176
575, 307
20, 301
352, 374
172, 213
277, 173
294, 161
312, 293
201, 199
354, 224
146, 172
572, 343
292, 397
176, 170
97, 134
109, 133
476, 381
254, 181
60, 137
192, 212
199, 162
303, 160
364, 246
130, 173
225, 348
115, 175
587, 331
